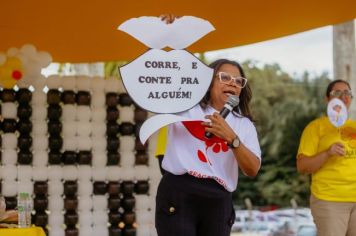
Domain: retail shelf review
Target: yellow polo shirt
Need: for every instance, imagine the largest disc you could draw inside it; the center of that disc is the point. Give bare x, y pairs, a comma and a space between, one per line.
161, 141
336, 179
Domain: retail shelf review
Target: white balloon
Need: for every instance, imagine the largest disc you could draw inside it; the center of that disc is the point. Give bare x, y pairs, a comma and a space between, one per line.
9, 172
9, 110
32, 69
23, 83
9, 157
98, 99
40, 173
100, 203
98, 83
45, 59
55, 172
70, 173
143, 230
24, 173
40, 157
142, 202
9, 141
69, 128
69, 112
55, 203
83, 113
85, 217
55, 218
70, 143
121, 88
99, 115
85, 230
113, 173
9, 188
85, 188
84, 172
99, 145
99, 173
84, 143
100, 228
40, 142
99, 158
127, 114
128, 173
84, 128
141, 172
23, 58
127, 159
85, 203
112, 85
54, 82
83, 83
127, 143
55, 187
68, 83
100, 217
29, 50
25, 187
39, 82
143, 217
56, 231
39, 128
2, 58
12, 52
39, 113
39, 98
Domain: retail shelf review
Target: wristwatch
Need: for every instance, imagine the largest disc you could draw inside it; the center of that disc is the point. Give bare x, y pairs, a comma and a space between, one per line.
235, 143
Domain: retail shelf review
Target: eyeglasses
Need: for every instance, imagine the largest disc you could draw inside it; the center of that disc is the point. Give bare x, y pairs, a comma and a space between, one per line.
225, 78
339, 93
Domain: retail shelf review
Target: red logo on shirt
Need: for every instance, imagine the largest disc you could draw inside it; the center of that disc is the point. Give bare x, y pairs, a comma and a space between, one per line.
196, 129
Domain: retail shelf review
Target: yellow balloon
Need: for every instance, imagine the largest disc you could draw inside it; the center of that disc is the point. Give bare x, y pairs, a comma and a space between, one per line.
13, 62
7, 70
9, 83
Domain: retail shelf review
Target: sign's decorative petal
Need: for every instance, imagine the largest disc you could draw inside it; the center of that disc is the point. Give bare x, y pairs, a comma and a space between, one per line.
155, 33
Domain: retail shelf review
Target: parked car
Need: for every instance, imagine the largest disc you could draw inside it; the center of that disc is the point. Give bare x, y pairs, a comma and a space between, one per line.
306, 230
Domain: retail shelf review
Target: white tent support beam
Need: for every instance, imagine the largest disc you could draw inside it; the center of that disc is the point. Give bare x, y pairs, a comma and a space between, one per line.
344, 56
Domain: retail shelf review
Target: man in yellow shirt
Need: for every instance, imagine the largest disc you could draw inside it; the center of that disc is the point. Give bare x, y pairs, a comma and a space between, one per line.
161, 146
329, 154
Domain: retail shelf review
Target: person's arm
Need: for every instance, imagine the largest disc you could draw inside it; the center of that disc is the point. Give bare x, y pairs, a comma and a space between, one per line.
248, 162
311, 164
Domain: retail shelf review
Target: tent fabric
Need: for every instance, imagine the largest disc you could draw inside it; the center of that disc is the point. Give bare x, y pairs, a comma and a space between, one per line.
86, 31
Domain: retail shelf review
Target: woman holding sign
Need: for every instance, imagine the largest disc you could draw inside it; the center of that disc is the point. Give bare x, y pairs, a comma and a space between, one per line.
194, 197
327, 150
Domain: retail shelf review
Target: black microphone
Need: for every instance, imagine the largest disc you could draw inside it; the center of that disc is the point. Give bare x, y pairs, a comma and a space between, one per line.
232, 102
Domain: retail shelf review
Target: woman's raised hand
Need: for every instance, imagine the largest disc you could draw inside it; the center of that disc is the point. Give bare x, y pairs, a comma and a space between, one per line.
168, 18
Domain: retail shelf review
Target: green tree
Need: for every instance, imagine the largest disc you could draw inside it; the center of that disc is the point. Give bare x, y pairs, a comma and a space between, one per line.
282, 106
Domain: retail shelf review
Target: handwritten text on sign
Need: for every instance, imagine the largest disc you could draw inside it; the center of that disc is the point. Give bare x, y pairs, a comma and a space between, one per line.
166, 82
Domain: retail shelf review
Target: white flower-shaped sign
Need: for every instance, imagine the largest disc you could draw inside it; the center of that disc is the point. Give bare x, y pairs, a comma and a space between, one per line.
166, 81
161, 81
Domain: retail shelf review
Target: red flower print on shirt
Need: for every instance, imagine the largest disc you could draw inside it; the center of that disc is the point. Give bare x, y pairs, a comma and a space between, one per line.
197, 130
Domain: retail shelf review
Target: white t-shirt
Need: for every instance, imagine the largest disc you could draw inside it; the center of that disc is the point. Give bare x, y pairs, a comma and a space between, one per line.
188, 151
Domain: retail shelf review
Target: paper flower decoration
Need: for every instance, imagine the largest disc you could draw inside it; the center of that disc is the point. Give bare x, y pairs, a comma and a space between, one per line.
10, 72
22, 66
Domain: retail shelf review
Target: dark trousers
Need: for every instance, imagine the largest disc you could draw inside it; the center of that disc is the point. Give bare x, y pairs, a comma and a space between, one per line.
189, 206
